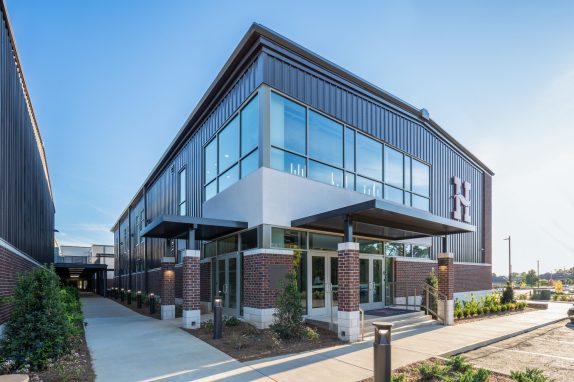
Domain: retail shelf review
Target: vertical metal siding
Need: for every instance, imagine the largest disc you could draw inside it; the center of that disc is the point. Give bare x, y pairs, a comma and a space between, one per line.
26, 206
397, 130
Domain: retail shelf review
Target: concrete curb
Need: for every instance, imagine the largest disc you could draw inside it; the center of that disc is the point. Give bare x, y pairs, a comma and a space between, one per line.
491, 341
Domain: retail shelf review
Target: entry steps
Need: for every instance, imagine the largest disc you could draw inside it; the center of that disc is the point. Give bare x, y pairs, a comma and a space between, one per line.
401, 322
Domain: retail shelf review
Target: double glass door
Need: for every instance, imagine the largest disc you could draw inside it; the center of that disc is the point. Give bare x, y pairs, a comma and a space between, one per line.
371, 281
323, 283
227, 283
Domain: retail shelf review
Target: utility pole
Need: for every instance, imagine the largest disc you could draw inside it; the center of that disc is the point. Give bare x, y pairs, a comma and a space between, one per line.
509, 262
538, 267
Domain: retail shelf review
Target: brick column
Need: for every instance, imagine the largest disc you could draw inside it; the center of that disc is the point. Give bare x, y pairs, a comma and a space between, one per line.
167, 288
191, 318
205, 286
264, 270
446, 286
348, 313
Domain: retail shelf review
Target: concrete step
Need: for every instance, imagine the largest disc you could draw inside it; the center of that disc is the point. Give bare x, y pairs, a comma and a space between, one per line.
405, 326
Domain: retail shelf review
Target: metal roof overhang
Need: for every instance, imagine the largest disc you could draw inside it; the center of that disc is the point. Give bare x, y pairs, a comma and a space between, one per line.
384, 219
78, 270
176, 226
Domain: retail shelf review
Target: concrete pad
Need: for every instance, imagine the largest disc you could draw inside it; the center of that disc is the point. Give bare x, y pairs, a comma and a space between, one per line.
126, 346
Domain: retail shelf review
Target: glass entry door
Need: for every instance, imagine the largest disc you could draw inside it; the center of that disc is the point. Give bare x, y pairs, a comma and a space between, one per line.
323, 283
371, 282
227, 283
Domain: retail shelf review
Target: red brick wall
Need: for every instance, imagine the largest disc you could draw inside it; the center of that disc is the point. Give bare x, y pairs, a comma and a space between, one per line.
446, 276
10, 266
258, 293
190, 273
348, 280
205, 282
468, 277
410, 276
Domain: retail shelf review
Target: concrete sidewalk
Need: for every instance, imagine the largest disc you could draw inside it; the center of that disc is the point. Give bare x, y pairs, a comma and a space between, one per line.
126, 346
355, 362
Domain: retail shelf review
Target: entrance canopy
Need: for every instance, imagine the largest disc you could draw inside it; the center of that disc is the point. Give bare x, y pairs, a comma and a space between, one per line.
176, 226
383, 219
78, 270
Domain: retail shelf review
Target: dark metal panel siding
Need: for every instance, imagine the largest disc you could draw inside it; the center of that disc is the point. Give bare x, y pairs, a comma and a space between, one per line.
362, 111
26, 206
162, 194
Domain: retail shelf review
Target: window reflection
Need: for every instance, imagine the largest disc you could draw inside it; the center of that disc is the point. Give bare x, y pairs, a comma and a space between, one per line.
211, 161
288, 125
325, 139
420, 178
250, 126
325, 174
369, 157
228, 178
229, 144
369, 187
393, 167
287, 162
250, 163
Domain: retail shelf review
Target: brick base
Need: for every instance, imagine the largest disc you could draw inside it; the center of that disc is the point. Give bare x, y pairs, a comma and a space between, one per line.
190, 284
348, 309
11, 265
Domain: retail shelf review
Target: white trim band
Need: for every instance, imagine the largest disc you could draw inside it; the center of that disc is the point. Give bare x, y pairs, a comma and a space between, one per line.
192, 253
348, 246
168, 260
263, 251
445, 255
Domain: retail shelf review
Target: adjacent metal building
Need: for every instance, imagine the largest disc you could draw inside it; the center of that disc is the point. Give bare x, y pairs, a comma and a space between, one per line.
301, 194
26, 202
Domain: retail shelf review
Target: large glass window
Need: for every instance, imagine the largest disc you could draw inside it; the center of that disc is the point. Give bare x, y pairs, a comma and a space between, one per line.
228, 178
233, 153
393, 167
325, 139
291, 163
319, 241
229, 244
288, 124
182, 205
350, 149
249, 239
250, 126
229, 145
369, 157
341, 156
421, 184
210, 161
288, 238
325, 174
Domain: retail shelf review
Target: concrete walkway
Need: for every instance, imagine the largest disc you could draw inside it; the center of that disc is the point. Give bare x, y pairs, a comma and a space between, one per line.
355, 362
126, 346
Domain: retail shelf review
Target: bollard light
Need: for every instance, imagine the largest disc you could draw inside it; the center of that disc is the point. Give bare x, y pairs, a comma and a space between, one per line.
139, 299
382, 352
151, 303
217, 318
122, 295
129, 296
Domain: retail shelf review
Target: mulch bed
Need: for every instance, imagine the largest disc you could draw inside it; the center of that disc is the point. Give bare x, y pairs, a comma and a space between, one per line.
244, 342
412, 375
145, 308
74, 367
459, 321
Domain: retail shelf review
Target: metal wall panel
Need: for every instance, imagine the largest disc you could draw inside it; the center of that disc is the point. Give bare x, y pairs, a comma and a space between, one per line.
162, 193
26, 206
327, 94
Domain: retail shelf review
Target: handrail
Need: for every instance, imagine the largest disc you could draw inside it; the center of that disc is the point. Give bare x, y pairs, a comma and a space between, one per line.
429, 294
431, 291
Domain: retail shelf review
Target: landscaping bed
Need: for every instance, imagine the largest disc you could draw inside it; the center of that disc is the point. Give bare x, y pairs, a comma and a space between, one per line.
244, 342
457, 369
488, 316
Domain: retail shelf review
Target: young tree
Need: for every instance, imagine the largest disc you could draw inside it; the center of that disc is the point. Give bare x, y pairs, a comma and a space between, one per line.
558, 287
531, 278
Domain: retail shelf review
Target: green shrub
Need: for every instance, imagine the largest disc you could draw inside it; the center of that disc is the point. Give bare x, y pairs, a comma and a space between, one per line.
38, 329
402, 377
480, 375
529, 375
311, 334
430, 370
208, 325
70, 298
458, 363
231, 321
289, 317
508, 294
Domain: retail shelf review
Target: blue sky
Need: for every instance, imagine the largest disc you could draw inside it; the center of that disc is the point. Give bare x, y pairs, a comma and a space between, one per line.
113, 81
